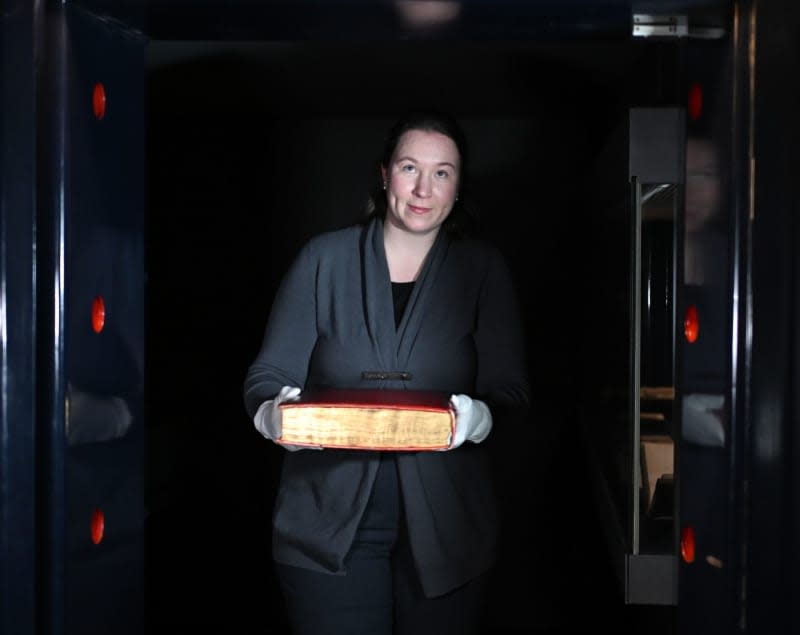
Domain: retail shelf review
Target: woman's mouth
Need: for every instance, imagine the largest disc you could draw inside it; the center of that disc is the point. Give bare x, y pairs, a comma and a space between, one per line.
418, 210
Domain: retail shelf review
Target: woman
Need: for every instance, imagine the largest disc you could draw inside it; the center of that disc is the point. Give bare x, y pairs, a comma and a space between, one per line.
393, 542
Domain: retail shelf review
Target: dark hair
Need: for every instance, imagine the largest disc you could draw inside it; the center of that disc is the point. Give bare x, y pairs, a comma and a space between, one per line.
461, 219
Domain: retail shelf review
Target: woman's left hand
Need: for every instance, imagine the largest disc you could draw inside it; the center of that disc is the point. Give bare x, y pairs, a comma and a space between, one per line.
473, 420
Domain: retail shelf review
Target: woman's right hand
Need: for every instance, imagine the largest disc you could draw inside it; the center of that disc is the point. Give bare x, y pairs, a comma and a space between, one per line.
268, 416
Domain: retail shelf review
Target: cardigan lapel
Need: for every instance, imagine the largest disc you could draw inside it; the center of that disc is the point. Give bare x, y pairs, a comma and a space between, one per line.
421, 296
377, 296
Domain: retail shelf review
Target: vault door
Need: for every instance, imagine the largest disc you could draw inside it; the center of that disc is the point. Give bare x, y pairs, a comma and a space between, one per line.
96, 507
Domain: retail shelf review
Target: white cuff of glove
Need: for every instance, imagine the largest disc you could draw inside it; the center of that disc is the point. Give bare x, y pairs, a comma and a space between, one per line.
473, 420
268, 416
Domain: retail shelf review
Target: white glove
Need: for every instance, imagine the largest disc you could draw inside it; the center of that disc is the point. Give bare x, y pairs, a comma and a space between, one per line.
473, 420
268, 417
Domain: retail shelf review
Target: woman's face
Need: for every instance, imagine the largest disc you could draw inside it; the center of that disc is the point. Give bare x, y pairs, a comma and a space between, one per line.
421, 181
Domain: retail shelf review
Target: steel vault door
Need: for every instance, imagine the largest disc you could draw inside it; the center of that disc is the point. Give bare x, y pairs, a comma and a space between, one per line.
79, 552
102, 376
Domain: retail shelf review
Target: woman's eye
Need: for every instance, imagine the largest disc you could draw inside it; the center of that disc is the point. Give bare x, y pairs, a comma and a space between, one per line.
443, 174
408, 168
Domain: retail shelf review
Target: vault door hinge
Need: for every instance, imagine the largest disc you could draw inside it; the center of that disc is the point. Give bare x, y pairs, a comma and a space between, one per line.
648, 25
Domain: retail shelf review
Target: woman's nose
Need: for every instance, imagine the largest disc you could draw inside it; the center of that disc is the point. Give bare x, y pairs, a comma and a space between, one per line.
422, 187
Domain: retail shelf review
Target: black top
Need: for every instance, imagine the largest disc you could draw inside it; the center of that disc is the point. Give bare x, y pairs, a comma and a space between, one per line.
401, 291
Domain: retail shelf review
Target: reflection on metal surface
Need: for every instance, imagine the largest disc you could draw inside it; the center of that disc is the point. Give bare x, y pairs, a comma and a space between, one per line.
694, 103
691, 324
98, 314
660, 393
99, 100
703, 406
703, 419
428, 13
90, 418
672, 26
645, 25
702, 252
655, 190
707, 32
98, 526
687, 544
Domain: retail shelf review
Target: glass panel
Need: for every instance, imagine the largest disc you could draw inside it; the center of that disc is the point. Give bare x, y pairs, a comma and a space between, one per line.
656, 364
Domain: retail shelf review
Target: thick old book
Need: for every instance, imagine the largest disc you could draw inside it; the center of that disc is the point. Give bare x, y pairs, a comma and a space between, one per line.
369, 419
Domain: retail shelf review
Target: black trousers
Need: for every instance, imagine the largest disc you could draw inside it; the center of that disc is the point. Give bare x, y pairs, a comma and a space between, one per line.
381, 593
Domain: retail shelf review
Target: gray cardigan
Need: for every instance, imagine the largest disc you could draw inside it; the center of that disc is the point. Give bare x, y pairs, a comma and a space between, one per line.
332, 319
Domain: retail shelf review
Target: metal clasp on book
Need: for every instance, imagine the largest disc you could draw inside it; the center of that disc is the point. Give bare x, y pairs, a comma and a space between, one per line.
381, 374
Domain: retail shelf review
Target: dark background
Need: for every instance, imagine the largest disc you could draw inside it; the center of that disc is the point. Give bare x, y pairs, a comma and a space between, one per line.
254, 147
